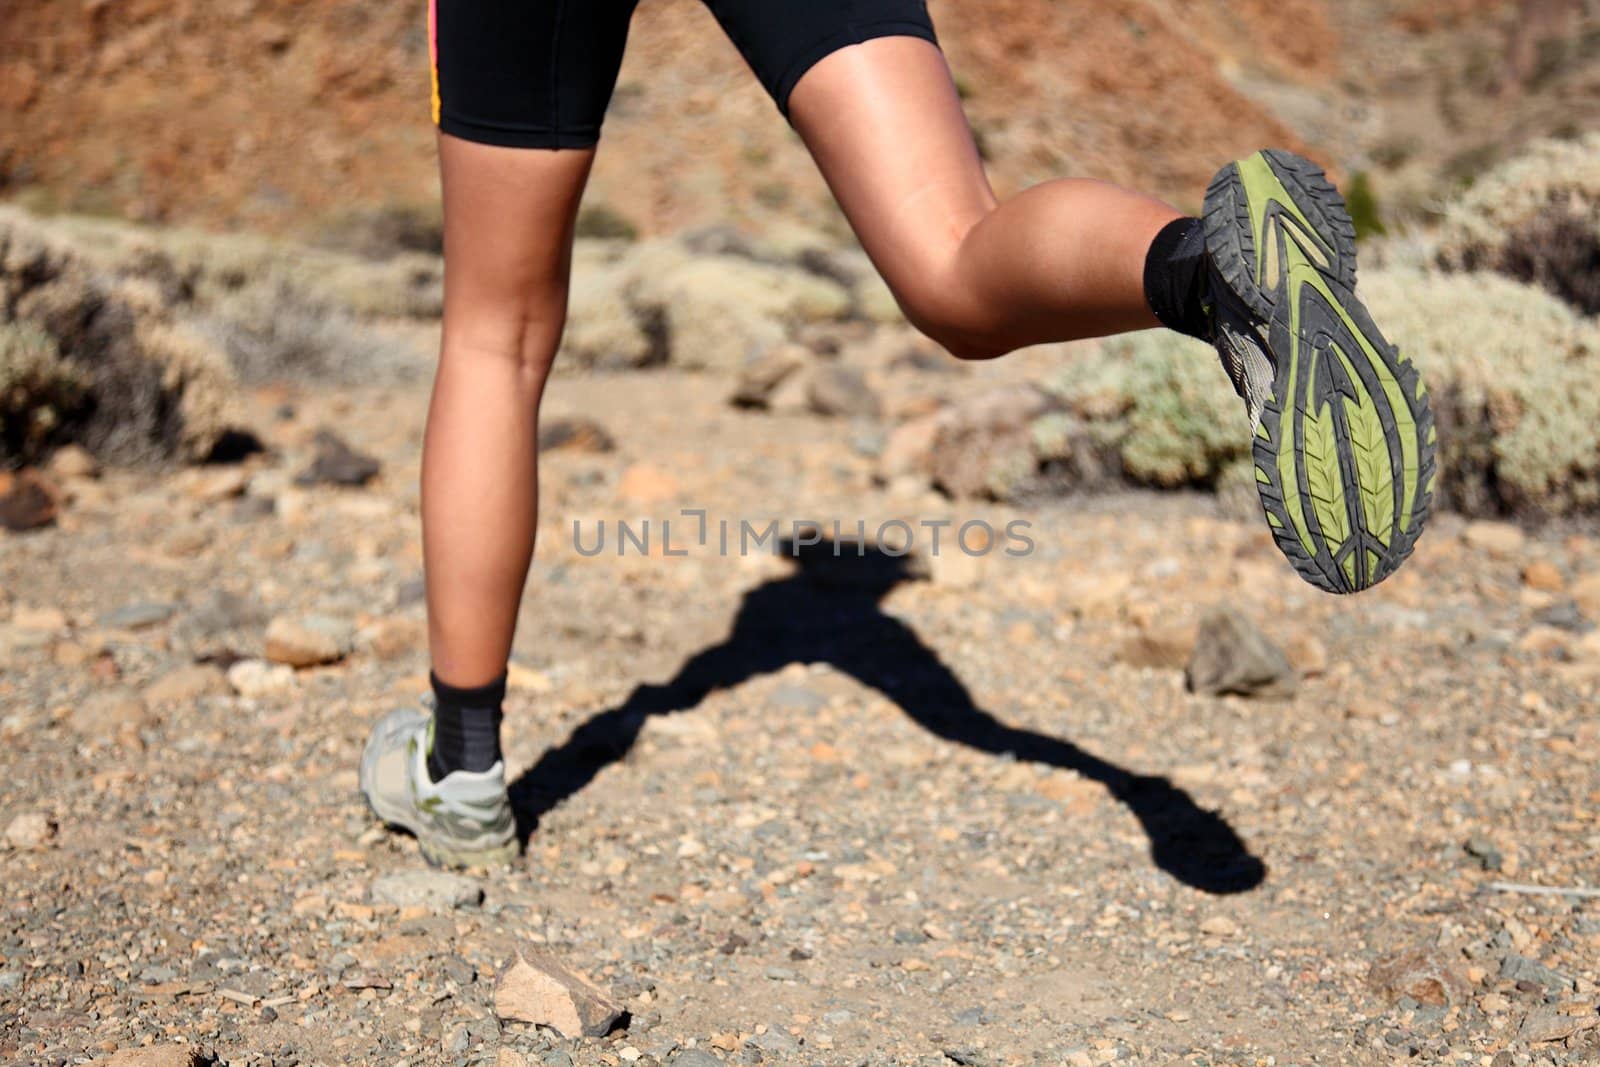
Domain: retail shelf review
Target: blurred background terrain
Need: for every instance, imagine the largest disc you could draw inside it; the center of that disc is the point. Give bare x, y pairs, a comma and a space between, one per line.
1141, 797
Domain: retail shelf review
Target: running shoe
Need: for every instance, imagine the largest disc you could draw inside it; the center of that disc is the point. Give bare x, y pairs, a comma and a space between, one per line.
1344, 438
463, 820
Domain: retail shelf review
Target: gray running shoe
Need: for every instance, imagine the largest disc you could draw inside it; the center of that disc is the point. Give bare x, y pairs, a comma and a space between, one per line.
463, 821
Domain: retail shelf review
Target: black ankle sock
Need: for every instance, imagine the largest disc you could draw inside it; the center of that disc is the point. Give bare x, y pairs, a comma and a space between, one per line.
466, 727
1175, 276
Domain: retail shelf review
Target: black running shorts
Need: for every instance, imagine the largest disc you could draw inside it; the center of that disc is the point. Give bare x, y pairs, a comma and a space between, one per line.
539, 73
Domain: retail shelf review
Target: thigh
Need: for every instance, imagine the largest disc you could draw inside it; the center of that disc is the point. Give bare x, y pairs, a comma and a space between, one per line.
509, 216
526, 73
782, 39
885, 125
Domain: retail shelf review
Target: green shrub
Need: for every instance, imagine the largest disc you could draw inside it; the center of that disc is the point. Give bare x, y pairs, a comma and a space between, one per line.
1363, 205
39, 392
1163, 403
1510, 370
603, 220
1536, 217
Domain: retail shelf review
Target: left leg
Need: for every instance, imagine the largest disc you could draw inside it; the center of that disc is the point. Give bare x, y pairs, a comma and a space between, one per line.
1341, 434
1060, 261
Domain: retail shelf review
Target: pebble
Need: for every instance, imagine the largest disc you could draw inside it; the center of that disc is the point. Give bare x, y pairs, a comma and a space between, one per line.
107, 712
1501, 540
137, 615
30, 830
1543, 575
836, 391
255, 678
73, 461
308, 641
186, 684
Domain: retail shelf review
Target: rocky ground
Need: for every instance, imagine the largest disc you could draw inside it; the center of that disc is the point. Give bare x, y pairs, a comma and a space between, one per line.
951, 811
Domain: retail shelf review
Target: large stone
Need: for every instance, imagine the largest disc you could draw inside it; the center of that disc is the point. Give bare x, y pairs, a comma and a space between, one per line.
309, 641
539, 989
336, 463
1232, 655
761, 377
984, 447
159, 1056
434, 890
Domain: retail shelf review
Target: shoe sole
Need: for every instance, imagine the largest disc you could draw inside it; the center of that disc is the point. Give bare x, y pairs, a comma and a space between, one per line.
1345, 451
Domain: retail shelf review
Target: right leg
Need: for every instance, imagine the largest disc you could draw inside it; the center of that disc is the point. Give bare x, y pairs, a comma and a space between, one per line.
509, 217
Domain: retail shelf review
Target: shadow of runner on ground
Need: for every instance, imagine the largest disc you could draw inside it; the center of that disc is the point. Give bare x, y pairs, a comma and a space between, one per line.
828, 611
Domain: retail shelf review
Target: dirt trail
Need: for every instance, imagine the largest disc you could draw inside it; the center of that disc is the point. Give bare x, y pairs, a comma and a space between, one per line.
963, 827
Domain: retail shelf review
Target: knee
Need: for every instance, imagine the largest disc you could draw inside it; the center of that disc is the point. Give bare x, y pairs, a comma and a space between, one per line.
942, 314
521, 331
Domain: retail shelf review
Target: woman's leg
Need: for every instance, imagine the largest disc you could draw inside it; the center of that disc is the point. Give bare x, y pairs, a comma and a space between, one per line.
508, 217
1061, 261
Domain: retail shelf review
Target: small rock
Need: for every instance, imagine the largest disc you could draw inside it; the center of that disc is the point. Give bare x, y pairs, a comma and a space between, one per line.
1232, 655
575, 435
1164, 648
73, 461
775, 1041
395, 636
693, 1057
1564, 615
836, 390
1483, 850
336, 463
186, 685
1545, 1024
435, 890
307, 642
1502, 540
1518, 968
1219, 926
108, 712
644, 483
255, 678
538, 989
909, 450
761, 378
31, 830
211, 484
159, 1056
1544, 575
1308, 655
1424, 975
1586, 594
39, 620
137, 616
28, 500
